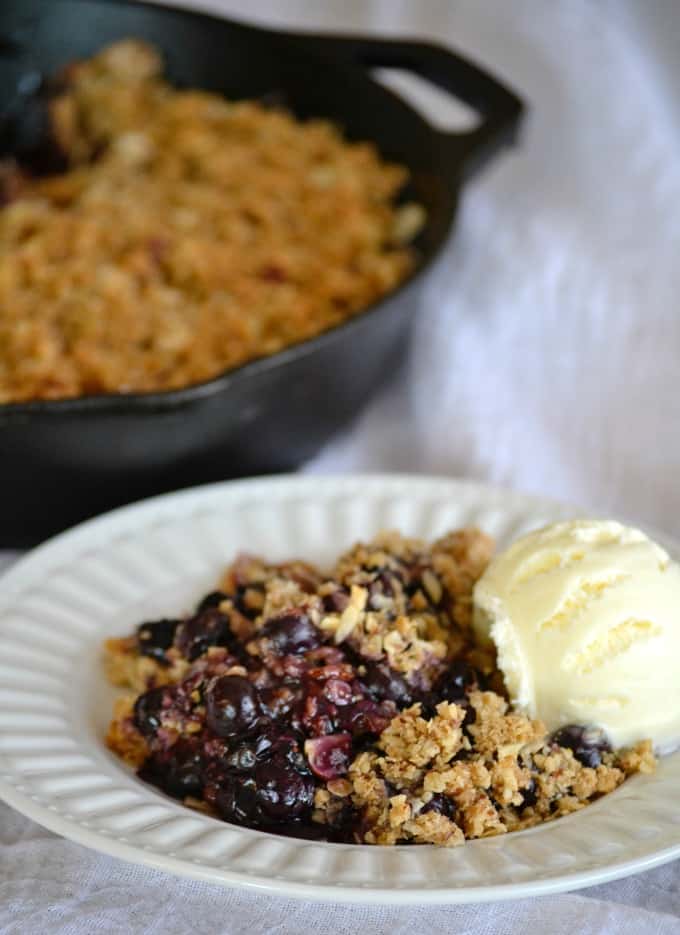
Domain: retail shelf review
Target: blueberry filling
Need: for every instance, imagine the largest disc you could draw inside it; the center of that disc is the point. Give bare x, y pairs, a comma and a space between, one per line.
329, 757
441, 804
232, 706
263, 783
336, 602
155, 637
292, 632
284, 792
261, 743
586, 743
211, 601
207, 628
291, 713
147, 711
529, 794
179, 773
459, 679
384, 684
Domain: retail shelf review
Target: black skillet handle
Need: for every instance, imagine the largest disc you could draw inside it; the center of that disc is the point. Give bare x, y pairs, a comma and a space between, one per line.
500, 109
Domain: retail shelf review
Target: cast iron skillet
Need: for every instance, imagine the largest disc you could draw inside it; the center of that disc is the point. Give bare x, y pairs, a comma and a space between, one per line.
61, 461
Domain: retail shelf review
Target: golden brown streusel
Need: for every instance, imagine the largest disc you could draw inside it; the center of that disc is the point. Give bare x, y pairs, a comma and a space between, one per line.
122, 737
188, 235
124, 666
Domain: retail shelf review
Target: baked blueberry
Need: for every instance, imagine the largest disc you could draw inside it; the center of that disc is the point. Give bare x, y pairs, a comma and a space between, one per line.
232, 706
336, 602
235, 798
384, 684
329, 756
529, 794
284, 793
200, 632
155, 637
456, 682
586, 743
147, 711
441, 804
292, 632
180, 771
244, 757
211, 601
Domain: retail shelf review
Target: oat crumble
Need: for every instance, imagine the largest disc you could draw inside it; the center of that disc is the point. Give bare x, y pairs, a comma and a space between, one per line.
186, 234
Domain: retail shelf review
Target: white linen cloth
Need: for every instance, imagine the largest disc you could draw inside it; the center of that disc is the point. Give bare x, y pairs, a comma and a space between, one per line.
545, 357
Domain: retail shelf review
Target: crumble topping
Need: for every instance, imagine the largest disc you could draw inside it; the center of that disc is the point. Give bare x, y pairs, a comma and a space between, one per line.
180, 234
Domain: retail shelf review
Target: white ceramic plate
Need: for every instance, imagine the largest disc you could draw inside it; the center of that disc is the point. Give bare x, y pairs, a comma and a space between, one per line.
58, 603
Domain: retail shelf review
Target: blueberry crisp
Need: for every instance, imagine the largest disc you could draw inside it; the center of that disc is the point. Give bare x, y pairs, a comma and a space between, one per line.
350, 705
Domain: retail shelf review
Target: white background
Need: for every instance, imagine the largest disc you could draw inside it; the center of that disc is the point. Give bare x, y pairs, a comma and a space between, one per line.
545, 357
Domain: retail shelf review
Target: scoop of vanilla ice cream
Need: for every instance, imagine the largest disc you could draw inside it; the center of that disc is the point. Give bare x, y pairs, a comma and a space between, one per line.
585, 616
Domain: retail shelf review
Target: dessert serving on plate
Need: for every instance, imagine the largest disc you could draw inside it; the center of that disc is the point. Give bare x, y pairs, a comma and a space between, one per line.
397, 693
413, 693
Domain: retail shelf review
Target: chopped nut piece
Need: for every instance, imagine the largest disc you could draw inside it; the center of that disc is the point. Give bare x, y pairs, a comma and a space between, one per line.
432, 586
